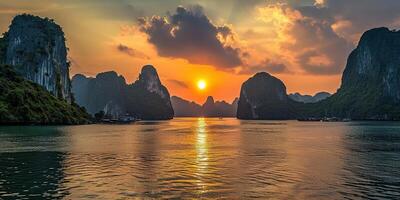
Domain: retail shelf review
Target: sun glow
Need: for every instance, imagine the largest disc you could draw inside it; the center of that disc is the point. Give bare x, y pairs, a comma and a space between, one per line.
201, 84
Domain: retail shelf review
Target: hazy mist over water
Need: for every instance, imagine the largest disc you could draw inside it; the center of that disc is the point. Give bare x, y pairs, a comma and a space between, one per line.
202, 158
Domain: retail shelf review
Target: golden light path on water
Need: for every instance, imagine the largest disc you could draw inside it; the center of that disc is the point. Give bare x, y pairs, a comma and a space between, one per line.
201, 150
201, 158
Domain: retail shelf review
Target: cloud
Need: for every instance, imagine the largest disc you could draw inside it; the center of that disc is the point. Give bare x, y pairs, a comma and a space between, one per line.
265, 66
317, 48
131, 52
178, 83
189, 34
308, 43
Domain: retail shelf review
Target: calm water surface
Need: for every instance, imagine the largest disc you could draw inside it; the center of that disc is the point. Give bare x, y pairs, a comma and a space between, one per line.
202, 158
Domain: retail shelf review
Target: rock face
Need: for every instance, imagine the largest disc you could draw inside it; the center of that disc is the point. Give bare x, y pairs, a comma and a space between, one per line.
370, 86
210, 108
375, 62
36, 48
35, 85
308, 98
147, 98
264, 97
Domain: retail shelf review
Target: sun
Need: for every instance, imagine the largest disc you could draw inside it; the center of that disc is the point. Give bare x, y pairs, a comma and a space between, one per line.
201, 84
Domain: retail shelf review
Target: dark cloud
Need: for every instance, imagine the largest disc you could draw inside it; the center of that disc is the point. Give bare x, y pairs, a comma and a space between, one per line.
327, 33
362, 15
318, 49
189, 34
131, 51
178, 83
265, 66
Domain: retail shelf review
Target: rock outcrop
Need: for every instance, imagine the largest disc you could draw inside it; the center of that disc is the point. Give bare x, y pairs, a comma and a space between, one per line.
264, 97
370, 86
36, 48
34, 84
104, 92
146, 98
308, 98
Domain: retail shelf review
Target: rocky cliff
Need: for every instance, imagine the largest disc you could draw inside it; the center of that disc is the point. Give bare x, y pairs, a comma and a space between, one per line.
104, 92
370, 86
264, 97
36, 48
147, 98
34, 87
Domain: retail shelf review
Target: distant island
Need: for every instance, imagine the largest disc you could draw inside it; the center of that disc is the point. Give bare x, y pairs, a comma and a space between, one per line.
210, 108
370, 88
308, 98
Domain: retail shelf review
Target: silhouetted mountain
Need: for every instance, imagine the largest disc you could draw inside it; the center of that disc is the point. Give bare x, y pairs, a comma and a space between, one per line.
370, 88
184, 108
146, 98
264, 97
308, 98
34, 75
107, 92
210, 108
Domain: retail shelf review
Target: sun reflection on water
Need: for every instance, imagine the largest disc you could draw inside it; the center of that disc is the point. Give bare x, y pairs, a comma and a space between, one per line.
202, 153
201, 141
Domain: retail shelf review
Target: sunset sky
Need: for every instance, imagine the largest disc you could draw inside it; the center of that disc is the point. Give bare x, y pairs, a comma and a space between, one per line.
304, 43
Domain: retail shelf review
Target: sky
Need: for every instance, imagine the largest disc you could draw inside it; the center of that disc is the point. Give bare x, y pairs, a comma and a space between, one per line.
305, 43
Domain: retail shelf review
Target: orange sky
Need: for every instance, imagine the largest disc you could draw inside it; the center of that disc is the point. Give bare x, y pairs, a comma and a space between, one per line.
307, 51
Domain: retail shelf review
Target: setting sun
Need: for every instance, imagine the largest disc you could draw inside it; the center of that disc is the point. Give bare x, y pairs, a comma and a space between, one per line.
201, 84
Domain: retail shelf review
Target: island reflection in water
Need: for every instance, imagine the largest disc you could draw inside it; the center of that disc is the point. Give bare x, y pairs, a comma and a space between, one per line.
202, 158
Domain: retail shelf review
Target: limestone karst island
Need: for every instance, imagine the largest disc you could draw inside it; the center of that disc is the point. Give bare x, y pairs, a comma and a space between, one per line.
200, 99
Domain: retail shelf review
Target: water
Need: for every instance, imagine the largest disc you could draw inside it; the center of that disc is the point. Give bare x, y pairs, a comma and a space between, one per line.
202, 158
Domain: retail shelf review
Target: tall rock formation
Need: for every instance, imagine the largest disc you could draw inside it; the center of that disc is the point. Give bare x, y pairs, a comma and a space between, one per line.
370, 86
264, 97
36, 48
104, 92
147, 98
34, 84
